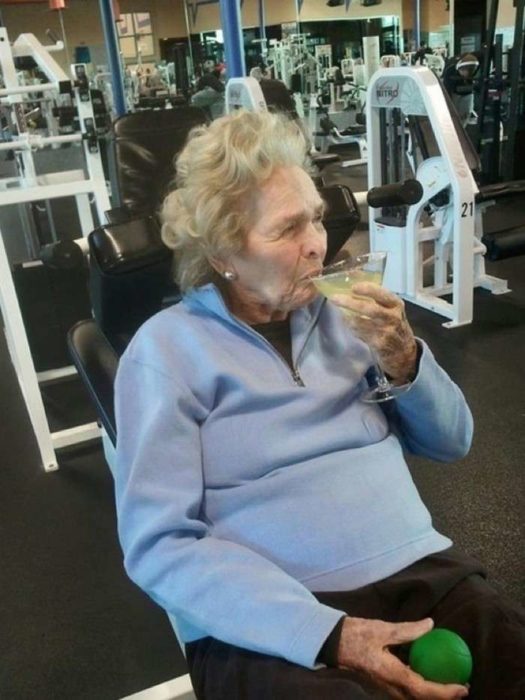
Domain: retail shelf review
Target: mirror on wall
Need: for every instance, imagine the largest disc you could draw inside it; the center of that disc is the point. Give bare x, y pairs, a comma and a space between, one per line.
433, 25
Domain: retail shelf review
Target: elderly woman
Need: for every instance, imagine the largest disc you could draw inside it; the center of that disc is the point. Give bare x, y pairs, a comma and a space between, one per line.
260, 502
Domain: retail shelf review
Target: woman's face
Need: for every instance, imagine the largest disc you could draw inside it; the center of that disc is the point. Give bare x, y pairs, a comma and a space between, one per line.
285, 246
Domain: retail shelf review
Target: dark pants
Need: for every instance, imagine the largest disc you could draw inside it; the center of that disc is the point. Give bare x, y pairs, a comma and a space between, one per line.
447, 586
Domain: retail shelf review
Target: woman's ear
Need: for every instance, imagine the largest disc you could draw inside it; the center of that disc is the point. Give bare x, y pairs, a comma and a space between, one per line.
218, 265
223, 268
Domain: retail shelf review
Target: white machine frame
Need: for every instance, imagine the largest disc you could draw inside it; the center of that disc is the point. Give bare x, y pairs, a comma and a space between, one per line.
416, 91
244, 93
32, 187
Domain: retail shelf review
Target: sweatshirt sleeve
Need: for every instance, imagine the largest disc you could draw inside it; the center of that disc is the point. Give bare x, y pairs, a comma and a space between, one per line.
432, 418
218, 587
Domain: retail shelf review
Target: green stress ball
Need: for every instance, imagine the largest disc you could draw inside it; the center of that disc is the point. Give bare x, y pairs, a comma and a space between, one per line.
441, 656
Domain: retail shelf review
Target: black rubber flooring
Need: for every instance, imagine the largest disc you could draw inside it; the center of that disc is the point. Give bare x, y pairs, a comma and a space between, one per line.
72, 626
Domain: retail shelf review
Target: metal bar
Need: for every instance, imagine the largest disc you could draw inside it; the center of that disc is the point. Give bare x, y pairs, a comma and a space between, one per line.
233, 41
417, 23
28, 45
64, 36
113, 54
27, 223
84, 214
38, 142
190, 50
452, 37
262, 22
52, 375
27, 89
488, 50
51, 220
65, 177
34, 194
53, 48
92, 148
72, 436
175, 689
23, 362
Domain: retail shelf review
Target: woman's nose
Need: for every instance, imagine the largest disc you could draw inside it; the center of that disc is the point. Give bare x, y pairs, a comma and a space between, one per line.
314, 244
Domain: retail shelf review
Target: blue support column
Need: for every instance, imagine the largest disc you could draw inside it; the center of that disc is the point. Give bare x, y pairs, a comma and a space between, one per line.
233, 43
262, 20
113, 52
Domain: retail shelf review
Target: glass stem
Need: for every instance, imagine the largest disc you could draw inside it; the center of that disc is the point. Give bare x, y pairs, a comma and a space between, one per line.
382, 382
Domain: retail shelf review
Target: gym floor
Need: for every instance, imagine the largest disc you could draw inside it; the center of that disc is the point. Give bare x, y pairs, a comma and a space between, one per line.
74, 626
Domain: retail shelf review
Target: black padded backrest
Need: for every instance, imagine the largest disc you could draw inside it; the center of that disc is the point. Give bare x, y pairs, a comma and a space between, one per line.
130, 276
146, 144
341, 217
424, 135
471, 155
278, 97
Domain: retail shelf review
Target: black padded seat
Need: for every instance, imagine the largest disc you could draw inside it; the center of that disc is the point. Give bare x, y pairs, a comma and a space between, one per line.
503, 221
321, 160
357, 130
500, 189
96, 362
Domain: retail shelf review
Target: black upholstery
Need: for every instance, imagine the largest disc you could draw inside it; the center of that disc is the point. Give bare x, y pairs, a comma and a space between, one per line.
145, 144
504, 221
278, 97
130, 276
96, 362
341, 218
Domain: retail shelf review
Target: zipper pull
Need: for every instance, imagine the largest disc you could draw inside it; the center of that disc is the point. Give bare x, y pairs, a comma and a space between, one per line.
297, 377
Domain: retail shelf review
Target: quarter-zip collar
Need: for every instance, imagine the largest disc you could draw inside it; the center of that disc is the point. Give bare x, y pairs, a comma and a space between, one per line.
302, 320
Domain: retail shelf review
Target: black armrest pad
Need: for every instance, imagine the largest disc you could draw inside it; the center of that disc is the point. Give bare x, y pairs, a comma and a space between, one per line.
119, 248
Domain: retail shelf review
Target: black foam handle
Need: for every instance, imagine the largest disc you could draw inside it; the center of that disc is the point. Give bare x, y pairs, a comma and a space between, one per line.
62, 255
408, 192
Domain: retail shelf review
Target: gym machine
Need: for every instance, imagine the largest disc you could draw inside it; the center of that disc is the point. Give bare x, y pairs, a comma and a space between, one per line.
403, 103
501, 100
86, 185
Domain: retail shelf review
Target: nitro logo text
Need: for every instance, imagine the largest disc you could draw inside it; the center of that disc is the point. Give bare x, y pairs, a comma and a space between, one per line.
387, 91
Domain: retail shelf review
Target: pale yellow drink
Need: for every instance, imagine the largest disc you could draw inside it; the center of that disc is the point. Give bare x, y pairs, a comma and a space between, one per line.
342, 282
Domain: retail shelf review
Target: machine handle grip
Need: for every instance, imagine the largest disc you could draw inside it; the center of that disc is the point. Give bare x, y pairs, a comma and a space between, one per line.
408, 192
62, 255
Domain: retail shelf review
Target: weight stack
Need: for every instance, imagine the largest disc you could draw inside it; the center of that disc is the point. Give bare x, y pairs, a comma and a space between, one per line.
51, 302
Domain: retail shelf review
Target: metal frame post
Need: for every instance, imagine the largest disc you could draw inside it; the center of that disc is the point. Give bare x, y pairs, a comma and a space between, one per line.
30, 187
233, 41
113, 52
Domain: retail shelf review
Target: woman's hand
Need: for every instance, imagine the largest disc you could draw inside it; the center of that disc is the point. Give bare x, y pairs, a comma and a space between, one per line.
379, 319
364, 647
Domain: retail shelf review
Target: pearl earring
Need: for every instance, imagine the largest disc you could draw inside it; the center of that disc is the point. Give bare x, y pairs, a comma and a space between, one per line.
229, 275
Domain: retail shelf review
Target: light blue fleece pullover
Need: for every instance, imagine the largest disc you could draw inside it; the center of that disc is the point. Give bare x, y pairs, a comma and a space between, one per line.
239, 490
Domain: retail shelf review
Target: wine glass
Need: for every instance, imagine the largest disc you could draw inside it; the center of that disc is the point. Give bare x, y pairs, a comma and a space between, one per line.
339, 278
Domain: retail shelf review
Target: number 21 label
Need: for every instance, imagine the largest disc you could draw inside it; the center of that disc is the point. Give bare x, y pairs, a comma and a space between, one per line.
467, 209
